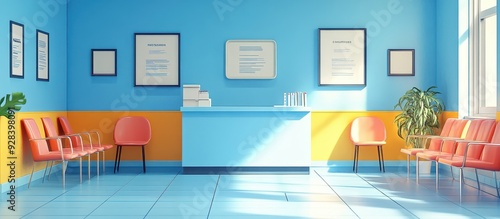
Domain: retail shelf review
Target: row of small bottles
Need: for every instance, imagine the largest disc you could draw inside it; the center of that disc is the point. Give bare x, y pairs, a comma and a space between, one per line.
295, 99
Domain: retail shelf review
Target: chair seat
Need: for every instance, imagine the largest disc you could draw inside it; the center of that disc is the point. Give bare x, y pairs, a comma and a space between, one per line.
54, 156
412, 151
75, 151
132, 143
455, 161
369, 143
432, 155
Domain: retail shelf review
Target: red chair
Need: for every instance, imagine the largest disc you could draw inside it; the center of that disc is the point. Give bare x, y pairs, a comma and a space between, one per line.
131, 131
445, 131
456, 131
76, 141
368, 131
477, 155
67, 130
484, 134
40, 150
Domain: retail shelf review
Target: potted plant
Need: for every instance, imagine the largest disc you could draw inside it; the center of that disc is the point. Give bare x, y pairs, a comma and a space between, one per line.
420, 110
12, 102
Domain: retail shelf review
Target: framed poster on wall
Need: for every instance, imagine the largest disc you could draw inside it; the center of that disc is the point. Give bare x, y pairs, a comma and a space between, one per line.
42, 56
401, 62
157, 59
342, 56
103, 62
251, 59
16, 50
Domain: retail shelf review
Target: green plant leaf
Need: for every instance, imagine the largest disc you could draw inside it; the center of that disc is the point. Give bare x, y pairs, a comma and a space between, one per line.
12, 102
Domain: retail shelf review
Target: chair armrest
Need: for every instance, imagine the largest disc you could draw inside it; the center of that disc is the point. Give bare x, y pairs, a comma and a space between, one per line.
59, 142
89, 135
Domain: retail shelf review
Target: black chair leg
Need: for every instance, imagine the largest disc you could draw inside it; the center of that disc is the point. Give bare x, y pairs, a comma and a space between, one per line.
143, 160
354, 159
382, 155
119, 159
116, 158
379, 163
357, 158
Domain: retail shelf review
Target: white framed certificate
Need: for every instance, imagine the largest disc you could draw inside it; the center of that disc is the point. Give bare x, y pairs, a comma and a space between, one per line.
16, 50
342, 56
251, 59
42, 56
157, 59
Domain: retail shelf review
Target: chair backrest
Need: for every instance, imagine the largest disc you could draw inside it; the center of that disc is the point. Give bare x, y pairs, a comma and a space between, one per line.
445, 131
64, 125
472, 130
50, 131
132, 129
485, 134
367, 128
38, 147
456, 131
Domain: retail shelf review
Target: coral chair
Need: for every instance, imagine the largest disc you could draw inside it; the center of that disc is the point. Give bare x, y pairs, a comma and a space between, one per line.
95, 144
76, 141
484, 134
368, 131
413, 151
131, 131
40, 149
448, 144
487, 160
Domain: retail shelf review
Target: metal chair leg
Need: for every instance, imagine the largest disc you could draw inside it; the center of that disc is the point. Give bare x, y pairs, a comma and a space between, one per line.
119, 159
45, 171
379, 162
31, 176
143, 160
477, 180
461, 174
496, 183
437, 176
408, 166
417, 171
103, 162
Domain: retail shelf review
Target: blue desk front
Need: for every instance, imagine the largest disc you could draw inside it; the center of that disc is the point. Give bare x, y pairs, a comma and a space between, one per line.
232, 139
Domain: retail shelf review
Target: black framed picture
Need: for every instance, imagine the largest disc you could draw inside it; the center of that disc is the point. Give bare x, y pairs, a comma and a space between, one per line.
42, 56
104, 62
401, 62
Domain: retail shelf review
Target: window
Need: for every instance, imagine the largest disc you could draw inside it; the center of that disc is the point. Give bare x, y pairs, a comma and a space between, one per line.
484, 58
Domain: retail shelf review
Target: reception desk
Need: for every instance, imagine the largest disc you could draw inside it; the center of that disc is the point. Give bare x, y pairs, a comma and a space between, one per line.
242, 139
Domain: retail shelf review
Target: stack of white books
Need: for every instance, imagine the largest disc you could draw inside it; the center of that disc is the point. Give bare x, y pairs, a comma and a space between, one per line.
192, 96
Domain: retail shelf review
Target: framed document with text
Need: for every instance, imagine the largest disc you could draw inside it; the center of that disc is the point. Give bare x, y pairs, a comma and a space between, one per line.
251, 59
342, 56
16, 50
157, 59
42, 56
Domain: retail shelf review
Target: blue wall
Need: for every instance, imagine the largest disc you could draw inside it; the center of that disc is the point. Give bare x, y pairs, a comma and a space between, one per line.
447, 39
204, 30
49, 16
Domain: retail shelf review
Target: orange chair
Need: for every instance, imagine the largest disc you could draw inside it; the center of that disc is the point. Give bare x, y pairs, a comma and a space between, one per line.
67, 130
76, 141
488, 159
131, 131
484, 134
445, 131
456, 131
368, 131
40, 150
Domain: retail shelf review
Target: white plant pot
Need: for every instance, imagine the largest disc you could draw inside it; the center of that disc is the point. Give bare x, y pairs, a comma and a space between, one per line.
425, 166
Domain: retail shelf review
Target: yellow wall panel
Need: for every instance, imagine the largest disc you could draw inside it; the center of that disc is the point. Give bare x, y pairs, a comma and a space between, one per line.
166, 140
330, 136
24, 160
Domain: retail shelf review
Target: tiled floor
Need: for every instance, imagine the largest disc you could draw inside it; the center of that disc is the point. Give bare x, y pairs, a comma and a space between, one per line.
324, 193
